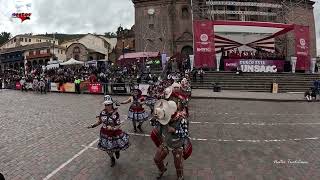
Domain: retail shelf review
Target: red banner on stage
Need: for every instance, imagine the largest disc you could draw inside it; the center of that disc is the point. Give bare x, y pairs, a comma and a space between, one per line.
204, 44
95, 88
302, 47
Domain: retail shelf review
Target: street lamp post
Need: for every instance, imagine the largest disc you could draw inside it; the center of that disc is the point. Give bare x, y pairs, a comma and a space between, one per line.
123, 47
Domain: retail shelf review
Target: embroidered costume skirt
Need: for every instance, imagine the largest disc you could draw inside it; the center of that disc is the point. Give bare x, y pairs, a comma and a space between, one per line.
137, 115
113, 141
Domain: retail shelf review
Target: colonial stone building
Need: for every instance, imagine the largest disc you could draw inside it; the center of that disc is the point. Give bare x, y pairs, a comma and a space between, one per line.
89, 47
166, 25
163, 26
27, 39
31, 55
125, 41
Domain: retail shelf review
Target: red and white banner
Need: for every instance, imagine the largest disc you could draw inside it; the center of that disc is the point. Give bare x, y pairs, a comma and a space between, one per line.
95, 88
204, 44
302, 47
18, 86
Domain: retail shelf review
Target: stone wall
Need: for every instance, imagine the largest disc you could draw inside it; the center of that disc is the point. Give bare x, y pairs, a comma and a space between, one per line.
83, 55
172, 30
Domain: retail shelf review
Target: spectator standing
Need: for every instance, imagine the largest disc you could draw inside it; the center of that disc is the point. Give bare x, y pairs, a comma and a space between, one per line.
194, 75
77, 82
201, 74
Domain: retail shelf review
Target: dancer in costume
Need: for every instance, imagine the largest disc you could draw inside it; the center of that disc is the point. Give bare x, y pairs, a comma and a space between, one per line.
152, 97
136, 114
185, 87
170, 134
112, 138
174, 93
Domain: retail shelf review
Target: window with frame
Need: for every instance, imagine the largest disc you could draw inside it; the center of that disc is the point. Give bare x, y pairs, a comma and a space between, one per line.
185, 12
76, 50
29, 40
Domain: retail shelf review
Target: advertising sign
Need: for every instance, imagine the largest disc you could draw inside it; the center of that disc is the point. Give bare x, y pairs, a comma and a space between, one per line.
95, 88
18, 86
119, 88
66, 87
54, 87
254, 65
204, 44
302, 47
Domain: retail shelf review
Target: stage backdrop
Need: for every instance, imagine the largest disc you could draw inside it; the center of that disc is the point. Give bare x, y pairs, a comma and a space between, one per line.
204, 44
254, 65
302, 47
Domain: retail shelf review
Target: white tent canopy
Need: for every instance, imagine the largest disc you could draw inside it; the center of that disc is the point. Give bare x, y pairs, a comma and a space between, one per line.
72, 62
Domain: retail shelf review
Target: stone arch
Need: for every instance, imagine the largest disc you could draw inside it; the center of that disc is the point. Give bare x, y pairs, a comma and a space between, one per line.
187, 50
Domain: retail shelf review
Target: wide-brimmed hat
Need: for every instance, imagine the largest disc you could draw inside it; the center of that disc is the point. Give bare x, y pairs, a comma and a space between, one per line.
176, 85
136, 88
167, 92
107, 100
184, 82
163, 110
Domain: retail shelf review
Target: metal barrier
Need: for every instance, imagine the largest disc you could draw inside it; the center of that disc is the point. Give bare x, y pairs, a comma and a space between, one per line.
86, 88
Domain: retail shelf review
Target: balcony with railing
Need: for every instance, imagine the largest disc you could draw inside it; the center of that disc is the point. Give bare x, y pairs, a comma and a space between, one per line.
38, 55
11, 57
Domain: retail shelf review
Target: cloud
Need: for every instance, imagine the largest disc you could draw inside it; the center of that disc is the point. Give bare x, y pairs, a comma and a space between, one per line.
72, 16
82, 16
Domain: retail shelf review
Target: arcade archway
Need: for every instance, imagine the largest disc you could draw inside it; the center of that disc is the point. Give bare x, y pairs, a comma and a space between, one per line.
187, 50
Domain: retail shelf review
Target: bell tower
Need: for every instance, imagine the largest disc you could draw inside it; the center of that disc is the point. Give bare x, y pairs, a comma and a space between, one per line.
163, 26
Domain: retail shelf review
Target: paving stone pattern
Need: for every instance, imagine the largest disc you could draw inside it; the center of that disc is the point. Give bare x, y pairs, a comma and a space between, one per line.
39, 133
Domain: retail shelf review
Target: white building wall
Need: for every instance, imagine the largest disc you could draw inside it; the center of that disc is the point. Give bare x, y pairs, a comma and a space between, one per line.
22, 42
59, 53
67, 44
95, 43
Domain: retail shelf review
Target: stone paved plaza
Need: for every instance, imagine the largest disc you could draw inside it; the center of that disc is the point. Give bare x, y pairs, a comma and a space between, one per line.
45, 137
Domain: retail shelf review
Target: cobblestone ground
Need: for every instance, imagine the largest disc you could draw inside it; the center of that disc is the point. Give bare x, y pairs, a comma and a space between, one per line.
44, 136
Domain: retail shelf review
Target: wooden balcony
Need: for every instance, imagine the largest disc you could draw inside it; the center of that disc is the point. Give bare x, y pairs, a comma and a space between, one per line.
36, 56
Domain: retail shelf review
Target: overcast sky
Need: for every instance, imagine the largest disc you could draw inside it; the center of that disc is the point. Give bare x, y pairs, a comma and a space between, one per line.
78, 16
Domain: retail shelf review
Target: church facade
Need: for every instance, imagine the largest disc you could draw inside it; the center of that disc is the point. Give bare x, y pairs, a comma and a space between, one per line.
163, 26
166, 25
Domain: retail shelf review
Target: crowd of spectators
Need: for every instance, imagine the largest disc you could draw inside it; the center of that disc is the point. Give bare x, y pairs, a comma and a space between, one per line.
259, 54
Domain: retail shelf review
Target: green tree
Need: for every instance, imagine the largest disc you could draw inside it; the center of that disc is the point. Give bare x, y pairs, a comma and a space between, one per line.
4, 37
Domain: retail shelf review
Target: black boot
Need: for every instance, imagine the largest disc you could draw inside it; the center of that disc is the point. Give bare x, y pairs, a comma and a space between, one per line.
117, 154
134, 126
113, 162
139, 127
161, 174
